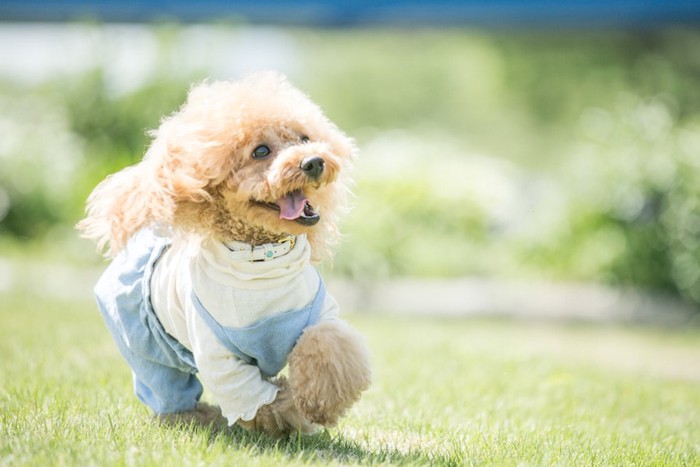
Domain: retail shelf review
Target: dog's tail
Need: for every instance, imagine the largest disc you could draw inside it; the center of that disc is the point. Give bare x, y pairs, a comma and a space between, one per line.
121, 205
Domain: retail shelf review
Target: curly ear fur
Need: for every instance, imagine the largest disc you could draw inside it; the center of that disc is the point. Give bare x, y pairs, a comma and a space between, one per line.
149, 192
327, 235
122, 204
140, 195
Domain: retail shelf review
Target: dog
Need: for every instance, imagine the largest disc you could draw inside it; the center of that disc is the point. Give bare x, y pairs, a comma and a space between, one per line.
214, 236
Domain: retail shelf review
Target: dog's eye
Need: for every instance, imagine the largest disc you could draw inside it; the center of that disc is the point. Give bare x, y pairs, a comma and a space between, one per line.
261, 152
304, 139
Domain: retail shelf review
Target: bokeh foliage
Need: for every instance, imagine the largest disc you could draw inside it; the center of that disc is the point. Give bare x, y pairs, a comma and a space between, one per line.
568, 155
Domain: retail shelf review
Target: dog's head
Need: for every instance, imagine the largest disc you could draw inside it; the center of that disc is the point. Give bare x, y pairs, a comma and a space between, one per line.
253, 160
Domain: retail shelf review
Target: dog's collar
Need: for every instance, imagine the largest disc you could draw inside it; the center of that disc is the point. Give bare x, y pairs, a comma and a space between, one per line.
241, 251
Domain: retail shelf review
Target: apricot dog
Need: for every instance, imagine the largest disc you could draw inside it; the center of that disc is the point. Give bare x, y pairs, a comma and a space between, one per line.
213, 237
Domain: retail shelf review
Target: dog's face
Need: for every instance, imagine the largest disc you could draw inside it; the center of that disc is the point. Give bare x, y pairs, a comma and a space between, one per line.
254, 156
283, 179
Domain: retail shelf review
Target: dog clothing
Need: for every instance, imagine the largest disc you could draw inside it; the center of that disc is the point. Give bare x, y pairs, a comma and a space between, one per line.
178, 307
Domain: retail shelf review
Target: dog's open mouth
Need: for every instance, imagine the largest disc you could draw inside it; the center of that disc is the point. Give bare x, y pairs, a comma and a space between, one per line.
294, 207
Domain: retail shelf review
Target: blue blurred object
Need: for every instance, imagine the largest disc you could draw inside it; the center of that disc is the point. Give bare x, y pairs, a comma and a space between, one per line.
495, 13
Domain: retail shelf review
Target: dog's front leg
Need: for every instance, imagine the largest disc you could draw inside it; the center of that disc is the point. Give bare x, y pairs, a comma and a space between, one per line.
328, 370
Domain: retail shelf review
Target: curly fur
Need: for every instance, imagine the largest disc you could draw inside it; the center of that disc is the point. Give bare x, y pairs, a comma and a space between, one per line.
328, 369
281, 417
199, 177
198, 174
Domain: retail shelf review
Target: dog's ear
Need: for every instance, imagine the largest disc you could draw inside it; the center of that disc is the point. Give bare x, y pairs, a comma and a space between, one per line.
325, 237
122, 204
177, 170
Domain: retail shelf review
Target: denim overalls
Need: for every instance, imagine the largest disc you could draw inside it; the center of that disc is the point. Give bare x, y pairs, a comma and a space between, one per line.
163, 369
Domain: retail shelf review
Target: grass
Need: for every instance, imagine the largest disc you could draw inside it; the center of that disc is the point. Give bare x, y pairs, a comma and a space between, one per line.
446, 392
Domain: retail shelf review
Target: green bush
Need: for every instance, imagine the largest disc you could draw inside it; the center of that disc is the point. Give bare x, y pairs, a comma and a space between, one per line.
40, 158
637, 175
571, 155
65, 136
426, 213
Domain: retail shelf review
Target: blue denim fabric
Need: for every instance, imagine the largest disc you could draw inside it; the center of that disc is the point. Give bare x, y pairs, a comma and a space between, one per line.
163, 369
266, 343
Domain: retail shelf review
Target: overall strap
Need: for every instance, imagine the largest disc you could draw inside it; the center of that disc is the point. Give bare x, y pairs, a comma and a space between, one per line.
218, 330
268, 342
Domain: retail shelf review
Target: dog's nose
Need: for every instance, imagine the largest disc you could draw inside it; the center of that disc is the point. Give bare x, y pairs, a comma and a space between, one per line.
313, 166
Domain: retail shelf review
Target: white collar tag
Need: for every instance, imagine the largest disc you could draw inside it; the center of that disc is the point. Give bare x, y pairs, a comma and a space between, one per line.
240, 251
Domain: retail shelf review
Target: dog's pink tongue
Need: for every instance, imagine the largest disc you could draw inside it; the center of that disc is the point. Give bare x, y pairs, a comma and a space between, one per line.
292, 205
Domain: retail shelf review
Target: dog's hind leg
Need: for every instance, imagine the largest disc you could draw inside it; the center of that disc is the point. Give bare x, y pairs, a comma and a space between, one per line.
203, 415
328, 370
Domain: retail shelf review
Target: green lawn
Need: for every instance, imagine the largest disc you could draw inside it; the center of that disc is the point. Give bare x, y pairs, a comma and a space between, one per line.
446, 392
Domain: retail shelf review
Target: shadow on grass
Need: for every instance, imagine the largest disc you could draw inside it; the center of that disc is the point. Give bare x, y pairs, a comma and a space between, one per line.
323, 446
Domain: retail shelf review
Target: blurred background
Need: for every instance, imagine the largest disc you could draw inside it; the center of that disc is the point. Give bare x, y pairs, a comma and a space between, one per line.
514, 158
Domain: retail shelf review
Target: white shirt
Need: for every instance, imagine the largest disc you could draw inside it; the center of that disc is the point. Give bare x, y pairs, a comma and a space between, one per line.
237, 294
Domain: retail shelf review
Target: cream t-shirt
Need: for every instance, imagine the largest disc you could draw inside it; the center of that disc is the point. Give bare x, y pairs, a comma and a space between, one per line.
236, 293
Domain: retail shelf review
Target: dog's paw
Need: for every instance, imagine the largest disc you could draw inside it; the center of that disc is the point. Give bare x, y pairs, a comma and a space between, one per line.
280, 418
328, 370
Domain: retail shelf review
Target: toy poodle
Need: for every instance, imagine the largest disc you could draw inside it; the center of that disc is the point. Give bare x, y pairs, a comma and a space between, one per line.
213, 236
